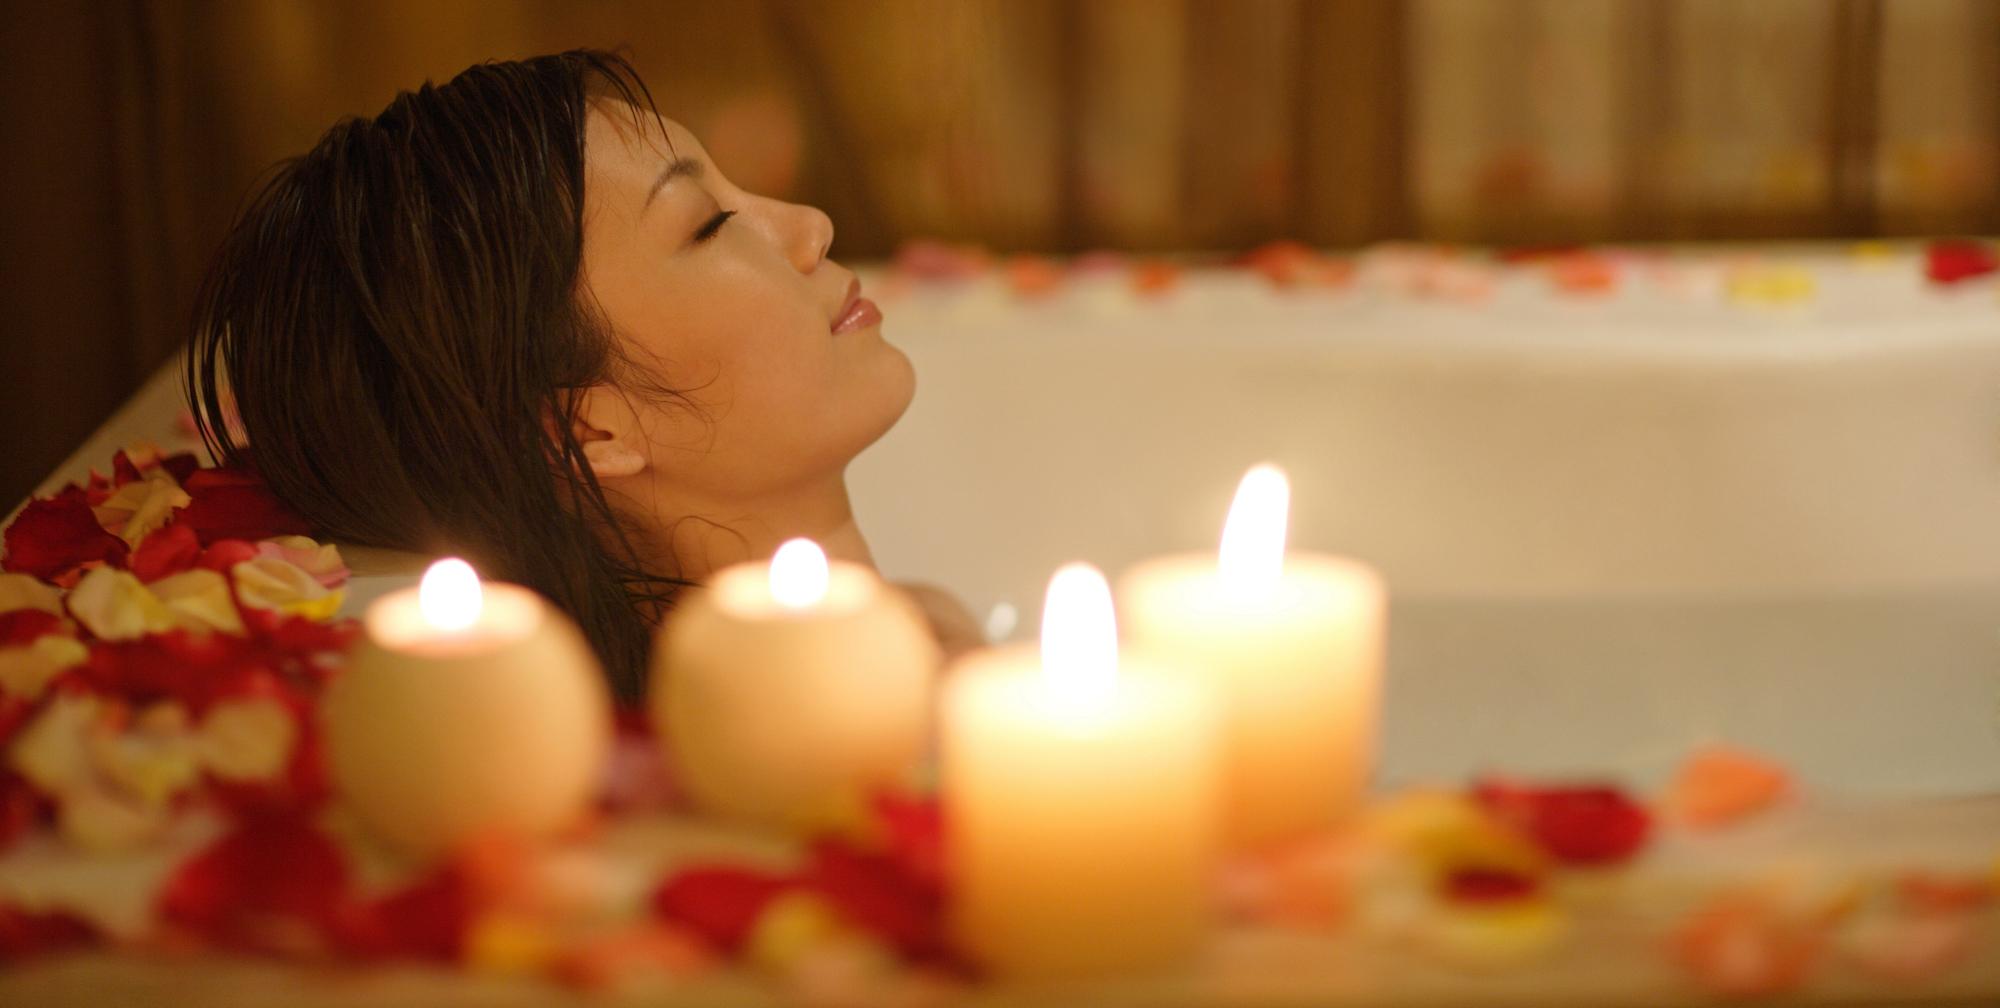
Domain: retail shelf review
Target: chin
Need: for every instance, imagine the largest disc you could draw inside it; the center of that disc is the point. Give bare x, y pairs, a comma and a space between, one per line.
893, 384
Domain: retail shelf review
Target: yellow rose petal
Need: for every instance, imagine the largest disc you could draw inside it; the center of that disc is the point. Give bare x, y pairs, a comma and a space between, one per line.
138, 509
199, 600
153, 759
51, 752
271, 583
19, 591
26, 670
247, 739
115, 606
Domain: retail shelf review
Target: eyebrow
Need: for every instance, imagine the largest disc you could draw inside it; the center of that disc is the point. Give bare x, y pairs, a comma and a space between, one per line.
677, 168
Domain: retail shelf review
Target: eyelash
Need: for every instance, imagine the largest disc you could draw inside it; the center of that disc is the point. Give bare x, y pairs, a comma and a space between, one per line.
714, 224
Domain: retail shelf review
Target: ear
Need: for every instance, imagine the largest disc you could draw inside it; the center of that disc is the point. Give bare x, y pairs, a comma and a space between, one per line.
614, 443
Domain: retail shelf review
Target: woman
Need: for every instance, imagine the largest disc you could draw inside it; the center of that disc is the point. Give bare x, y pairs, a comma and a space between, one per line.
523, 318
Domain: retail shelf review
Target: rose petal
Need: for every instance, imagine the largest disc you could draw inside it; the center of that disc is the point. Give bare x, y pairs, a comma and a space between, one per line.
58, 534
26, 934
270, 583
20, 592
152, 759
21, 806
24, 626
1947, 262
170, 550
113, 605
1577, 825
248, 739
271, 873
235, 504
137, 509
227, 553
873, 893
1742, 947
27, 670
427, 919
51, 752
323, 562
719, 902
1720, 785
199, 600
99, 822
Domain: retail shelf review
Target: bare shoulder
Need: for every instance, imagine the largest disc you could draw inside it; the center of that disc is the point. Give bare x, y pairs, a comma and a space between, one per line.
956, 629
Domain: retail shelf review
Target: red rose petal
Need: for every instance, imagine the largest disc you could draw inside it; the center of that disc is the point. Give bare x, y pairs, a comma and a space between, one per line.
719, 902
55, 535
25, 934
180, 466
170, 550
1577, 825
1948, 262
427, 919
22, 626
123, 471
227, 553
1487, 886
235, 504
260, 881
914, 829
873, 893
21, 806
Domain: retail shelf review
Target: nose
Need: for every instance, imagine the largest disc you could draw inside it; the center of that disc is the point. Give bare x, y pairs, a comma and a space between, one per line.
810, 238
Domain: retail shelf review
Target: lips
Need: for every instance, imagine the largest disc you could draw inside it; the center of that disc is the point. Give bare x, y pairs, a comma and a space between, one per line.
857, 313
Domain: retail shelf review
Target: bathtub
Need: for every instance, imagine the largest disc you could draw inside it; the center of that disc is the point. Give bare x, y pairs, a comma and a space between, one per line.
1026, 449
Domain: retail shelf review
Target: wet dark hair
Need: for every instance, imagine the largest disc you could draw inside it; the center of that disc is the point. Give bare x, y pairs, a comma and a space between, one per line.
399, 314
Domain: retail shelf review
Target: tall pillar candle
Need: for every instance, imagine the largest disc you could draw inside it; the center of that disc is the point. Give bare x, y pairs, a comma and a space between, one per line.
1291, 643
1081, 791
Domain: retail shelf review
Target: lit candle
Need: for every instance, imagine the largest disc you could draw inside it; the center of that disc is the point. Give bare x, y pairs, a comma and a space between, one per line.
784, 692
1292, 644
466, 709
1081, 797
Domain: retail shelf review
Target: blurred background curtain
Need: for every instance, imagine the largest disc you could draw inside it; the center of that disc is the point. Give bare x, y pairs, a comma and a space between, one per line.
134, 129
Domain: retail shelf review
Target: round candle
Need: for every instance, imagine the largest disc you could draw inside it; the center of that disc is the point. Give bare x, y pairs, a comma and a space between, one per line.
466, 708
1292, 645
785, 691
1081, 792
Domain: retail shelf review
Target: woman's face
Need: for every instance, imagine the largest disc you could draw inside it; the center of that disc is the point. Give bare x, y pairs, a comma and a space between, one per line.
729, 299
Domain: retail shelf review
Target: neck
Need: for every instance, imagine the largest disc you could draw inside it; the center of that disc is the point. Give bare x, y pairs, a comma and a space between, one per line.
696, 538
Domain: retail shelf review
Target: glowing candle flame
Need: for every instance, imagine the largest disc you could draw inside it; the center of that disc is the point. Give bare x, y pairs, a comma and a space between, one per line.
1253, 538
449, 596
799, 574
1079, 635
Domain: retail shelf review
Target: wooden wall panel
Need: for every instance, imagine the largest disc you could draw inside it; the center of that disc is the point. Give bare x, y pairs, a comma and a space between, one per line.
137, 127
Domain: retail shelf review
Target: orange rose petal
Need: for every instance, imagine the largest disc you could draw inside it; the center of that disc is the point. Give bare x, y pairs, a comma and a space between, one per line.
1743, 947
1720, 785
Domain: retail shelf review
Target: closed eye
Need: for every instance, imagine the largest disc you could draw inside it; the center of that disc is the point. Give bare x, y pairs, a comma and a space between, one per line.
714, 224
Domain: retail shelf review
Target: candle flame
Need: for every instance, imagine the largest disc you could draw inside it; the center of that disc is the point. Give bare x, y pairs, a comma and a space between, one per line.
1253, 538
449, 597
1079, 635
799, 574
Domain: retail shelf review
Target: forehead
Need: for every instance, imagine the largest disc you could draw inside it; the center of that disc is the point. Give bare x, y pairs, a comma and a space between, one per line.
626, 147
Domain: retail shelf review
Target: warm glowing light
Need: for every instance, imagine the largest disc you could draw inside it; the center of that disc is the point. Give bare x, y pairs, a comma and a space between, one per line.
1079, 635
449, 596
799, 574
1253, 538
